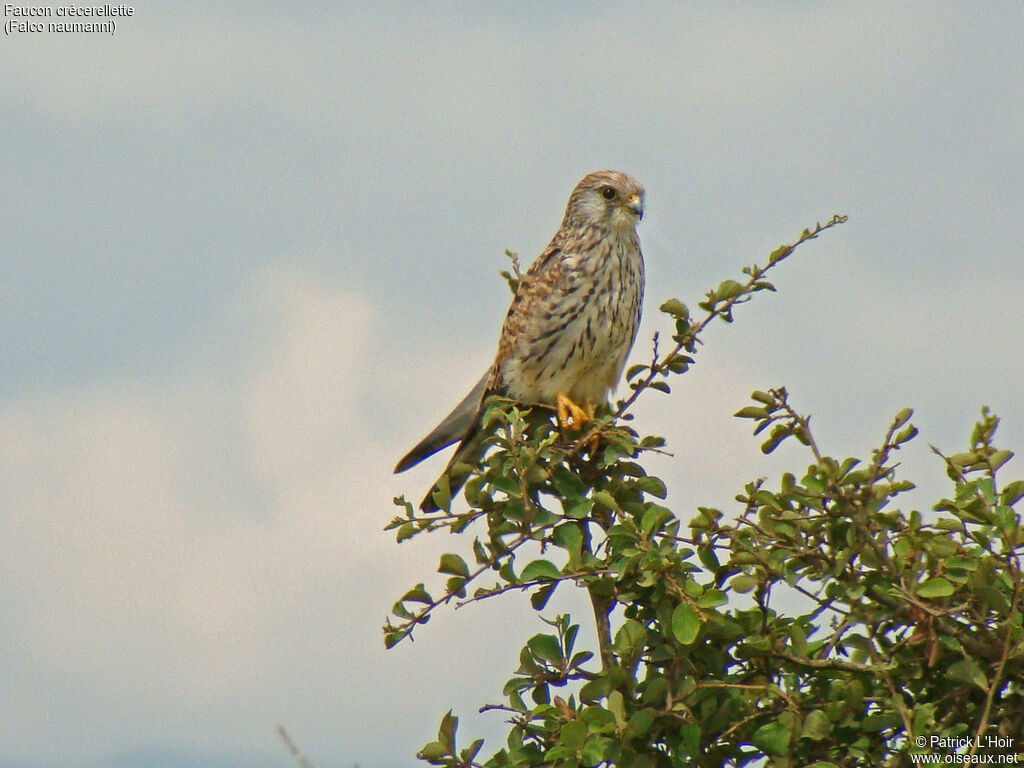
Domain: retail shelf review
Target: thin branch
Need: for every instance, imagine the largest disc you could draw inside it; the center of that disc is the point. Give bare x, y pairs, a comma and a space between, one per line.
690, 338
997, 679
300, 759
602, 617
574, 576
846, 666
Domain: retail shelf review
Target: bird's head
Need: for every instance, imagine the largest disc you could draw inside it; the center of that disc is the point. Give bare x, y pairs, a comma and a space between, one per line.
607, 198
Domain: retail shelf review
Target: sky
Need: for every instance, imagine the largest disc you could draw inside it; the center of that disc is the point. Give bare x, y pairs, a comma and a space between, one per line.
250, 255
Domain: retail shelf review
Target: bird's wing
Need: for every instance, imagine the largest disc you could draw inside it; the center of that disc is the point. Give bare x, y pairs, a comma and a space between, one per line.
534, 293
454, 427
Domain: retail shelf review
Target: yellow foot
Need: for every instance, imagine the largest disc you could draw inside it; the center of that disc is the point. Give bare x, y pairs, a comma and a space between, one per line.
567, 410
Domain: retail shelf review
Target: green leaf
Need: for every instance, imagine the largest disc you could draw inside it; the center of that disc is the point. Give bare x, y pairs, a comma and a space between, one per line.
743, 583
569, 536
676, 308
768, 499
779, 254
654, 518
909, 433
634, 370
605, 499
594, 752
616, 705
442, 497
924, 717
728, 289
685, 623
456, 585
595, 690
773, 738
480, 552
966, 563
689, 734
712, 598
1012, 493
540, 570
630, 637
679, 363
968, 671
418, 595
816, 726
446, 733
640, 722
433, 753
454, 565
902, 418
997, 459
752, 412
937, 587
391, 639
709, 558
471, 751
540, 598
779, 433
798, 638
546, 647
573, 735
654, 486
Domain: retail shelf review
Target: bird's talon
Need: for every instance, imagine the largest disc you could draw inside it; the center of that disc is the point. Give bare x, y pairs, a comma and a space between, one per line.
570, 415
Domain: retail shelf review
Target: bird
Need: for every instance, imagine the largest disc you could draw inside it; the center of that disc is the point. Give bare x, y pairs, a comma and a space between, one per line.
572, 321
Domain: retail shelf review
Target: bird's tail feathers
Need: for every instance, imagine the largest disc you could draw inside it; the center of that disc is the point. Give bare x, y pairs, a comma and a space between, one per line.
466, 457
453, 428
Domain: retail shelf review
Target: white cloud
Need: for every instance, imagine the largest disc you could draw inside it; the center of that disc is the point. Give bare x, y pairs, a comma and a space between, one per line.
145, 599
300, 403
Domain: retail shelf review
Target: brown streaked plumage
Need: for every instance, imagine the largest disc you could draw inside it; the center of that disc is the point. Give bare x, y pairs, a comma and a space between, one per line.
571, 324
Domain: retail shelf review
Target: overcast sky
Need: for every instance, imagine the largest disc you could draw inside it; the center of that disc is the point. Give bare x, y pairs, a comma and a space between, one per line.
250, 256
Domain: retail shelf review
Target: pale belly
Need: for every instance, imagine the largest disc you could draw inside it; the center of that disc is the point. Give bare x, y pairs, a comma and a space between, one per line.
579, 346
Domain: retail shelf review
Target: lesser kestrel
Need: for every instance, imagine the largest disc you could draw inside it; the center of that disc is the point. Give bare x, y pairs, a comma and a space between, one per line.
572, 322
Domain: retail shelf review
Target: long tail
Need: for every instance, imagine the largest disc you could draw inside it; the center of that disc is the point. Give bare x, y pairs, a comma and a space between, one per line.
468, 454
454, 427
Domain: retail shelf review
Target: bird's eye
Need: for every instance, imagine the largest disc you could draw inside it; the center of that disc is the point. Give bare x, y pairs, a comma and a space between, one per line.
608, 193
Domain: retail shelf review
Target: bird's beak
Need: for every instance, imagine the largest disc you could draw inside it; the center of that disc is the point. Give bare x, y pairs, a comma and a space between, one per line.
635, 205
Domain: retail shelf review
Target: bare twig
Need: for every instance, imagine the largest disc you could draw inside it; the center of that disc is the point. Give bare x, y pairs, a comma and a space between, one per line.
300, 759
